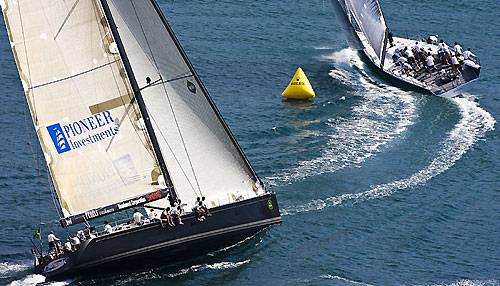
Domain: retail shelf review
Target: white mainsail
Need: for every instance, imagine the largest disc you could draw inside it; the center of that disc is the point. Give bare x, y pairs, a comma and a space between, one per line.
201, 157
370, 19
80, 101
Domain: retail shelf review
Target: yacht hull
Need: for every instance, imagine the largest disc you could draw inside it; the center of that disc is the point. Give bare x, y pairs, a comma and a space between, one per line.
152, 244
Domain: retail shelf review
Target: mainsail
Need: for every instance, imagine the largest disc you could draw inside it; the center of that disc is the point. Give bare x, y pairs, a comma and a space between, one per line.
369, 18
91, 71
202, 157
81, 104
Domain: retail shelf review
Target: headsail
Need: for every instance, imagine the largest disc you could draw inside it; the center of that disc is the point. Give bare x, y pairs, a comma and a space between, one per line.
201, 155
370, 19
345, 24
81, 103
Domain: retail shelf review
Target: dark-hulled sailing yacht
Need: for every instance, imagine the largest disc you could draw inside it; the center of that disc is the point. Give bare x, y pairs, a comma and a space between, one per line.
124, 122
365, 29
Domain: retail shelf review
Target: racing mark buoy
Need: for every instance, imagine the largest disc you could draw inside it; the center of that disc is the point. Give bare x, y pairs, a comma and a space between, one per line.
299, 87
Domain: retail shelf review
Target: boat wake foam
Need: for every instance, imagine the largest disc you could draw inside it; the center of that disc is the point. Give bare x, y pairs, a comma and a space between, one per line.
382, 115
6, 268
35, 279
344, 279
470, 283
213, 266
473, 125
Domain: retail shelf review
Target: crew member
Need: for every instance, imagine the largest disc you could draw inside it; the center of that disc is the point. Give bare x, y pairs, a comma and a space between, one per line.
176, 215
76, 242
467, 54
107, 227
67, 246
165, 216
205, 208
53, 245
137, 218
458, 49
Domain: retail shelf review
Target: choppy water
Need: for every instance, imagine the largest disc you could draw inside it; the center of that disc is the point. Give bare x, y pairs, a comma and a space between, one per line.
378, 184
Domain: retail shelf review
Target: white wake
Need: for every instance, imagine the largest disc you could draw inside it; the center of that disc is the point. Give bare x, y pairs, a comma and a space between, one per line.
382, 115
473, 125
471, 283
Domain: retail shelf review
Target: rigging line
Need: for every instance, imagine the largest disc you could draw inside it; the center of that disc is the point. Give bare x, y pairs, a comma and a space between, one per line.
159, 81
168, 97
66, 19
34, 110
104, 34
27, 63
75, 75
175, 157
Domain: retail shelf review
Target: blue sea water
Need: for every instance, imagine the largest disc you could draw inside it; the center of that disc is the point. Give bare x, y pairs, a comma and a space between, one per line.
378, 184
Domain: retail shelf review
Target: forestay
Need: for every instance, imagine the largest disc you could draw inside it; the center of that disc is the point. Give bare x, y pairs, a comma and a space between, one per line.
80, 101
201, 155
369, 18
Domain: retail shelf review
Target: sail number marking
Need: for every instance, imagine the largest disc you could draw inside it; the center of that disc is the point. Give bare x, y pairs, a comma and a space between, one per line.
153, 196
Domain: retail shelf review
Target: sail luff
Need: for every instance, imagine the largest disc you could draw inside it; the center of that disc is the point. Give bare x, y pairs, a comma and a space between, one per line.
205, 91
369, 17
140, 101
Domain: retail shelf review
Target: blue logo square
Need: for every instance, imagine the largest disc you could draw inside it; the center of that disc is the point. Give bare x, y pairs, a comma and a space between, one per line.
57, 135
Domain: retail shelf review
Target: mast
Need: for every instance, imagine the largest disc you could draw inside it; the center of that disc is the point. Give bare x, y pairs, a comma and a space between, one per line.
140, 102
205, 92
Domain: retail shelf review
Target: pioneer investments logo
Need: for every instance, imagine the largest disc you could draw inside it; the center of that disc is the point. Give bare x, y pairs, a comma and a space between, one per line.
83, 132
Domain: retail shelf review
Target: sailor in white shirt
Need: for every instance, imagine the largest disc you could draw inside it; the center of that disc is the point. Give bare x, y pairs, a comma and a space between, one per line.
53, 241
76, 241
409, 54
107, 227
401, 60
432, 39
417, 48
176, 215
137, 217
458, 49
441, 46
67, 246
151, 215
454, 63
430, 63
467, 54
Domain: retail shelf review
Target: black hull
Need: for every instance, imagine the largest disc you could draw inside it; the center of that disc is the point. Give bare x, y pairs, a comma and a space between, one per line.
152, 244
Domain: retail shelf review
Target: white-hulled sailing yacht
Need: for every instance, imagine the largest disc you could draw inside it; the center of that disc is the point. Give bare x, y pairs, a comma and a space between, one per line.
365, 29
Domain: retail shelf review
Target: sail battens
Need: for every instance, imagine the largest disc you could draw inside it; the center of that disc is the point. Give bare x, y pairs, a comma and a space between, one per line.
89, 65
82, 103
75, 75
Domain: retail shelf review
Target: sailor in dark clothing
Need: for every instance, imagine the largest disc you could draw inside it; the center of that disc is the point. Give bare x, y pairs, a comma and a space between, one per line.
391, 40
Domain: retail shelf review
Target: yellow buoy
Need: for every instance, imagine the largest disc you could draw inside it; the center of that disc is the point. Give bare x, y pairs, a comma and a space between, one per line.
299, 87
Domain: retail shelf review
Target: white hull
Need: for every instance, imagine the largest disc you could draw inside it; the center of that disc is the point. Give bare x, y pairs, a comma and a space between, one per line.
449, 90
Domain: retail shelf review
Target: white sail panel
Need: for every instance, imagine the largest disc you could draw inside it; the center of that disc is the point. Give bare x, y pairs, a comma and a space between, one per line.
79, 98
199, 153
369, 18
345, 24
